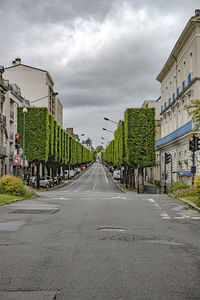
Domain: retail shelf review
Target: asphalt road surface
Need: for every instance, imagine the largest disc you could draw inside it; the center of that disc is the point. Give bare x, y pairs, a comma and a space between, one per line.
90, 241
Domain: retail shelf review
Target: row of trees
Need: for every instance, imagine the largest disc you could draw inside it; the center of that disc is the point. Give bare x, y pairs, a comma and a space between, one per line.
48, 144
134, 143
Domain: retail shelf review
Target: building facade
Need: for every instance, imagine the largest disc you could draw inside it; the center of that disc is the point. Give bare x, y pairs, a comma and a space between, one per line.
3, 132
36, 85
180, 83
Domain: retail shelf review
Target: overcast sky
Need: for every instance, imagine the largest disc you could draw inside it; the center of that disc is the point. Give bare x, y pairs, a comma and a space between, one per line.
104, 55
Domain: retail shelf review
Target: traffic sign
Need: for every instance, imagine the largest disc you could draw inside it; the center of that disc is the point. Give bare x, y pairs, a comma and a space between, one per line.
17, 159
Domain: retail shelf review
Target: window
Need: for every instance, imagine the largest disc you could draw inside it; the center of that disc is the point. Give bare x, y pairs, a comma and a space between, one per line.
183, 85
161, 108
165, 105
169, 101
189, 77
173, 96
177, 92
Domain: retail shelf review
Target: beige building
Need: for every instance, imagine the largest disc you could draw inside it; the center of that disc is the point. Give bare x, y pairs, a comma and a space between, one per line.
36, 86
180, 83
3, 132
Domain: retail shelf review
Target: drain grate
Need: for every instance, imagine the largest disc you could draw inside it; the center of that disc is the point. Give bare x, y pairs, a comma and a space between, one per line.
34, 211
111, 229
28, 295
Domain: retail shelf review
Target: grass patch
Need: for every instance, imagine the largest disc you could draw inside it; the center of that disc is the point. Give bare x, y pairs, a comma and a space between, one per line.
6, 198
193, 199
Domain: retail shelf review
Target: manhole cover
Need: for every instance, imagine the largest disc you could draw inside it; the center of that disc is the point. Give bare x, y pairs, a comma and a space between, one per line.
34, 211
112, 229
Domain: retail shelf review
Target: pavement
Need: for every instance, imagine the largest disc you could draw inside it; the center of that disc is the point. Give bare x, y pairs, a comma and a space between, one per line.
89, 240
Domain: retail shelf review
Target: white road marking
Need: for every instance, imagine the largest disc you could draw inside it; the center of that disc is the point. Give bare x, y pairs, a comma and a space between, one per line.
166, 218
157, 206
118, 197
151, 200
105, 175
195, 218
164, 215
93, 187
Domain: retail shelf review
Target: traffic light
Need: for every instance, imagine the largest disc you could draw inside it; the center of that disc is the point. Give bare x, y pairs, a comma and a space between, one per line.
17, 140
194, 143
167, 158
191, 143
193, 169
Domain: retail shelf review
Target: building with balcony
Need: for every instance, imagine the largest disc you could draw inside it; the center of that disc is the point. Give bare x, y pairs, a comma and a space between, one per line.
3, 132
13, 100
180, 83
36, 85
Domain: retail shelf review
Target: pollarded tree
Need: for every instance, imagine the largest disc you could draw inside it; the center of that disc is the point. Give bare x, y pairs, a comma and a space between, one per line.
139, 131
36, 133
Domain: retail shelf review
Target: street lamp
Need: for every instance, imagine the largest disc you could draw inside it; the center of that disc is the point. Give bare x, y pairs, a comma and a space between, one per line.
107, 130
53, 94
106, 119
25, 110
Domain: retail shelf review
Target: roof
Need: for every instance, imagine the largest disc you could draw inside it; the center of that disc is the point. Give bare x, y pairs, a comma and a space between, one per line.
179, 44
15, 66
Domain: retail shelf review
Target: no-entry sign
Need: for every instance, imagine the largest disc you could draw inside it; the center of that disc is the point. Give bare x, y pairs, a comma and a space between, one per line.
17, 159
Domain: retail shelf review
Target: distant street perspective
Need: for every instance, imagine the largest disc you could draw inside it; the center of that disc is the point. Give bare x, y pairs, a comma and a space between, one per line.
90, 240
100, 150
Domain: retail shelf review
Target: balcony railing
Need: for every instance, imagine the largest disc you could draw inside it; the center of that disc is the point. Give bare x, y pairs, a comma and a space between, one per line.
12, 115
3, 151
11, 155
2, 119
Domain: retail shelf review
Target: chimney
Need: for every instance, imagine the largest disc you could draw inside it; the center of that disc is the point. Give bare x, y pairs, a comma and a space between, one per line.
1, 73
17, 61
197, 12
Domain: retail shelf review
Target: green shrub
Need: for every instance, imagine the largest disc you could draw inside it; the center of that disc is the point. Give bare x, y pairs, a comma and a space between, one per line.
179, 185
14, 185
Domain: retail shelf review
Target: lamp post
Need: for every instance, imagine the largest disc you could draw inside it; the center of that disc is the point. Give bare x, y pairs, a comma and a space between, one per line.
25, 110
107, 130
106, 119
53, 94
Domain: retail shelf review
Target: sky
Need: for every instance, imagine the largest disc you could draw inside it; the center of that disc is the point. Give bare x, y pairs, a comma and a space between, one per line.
103, 55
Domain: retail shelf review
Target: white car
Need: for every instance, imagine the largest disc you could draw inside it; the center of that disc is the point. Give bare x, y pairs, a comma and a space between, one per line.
69, 173
117, 174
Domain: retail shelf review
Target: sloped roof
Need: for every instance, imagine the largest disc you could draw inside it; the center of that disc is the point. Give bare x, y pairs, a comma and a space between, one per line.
15, 66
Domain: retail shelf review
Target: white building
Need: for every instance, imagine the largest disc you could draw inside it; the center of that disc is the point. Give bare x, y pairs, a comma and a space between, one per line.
35, 84
180, 83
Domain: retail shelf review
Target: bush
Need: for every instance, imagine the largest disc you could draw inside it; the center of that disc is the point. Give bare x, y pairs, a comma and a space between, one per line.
14, 186
179, 185
197, 187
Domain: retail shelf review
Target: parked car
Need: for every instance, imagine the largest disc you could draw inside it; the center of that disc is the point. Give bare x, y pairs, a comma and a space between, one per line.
44, 182
117, 174
50, 179
69, 173
78, 170
111, 168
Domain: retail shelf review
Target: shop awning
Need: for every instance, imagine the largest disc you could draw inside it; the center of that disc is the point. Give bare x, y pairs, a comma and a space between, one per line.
183, 173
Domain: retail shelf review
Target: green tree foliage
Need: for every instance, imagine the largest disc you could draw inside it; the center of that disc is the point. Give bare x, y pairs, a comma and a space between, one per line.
194, 112
119, 145
139, 128
36, 133
48, 142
